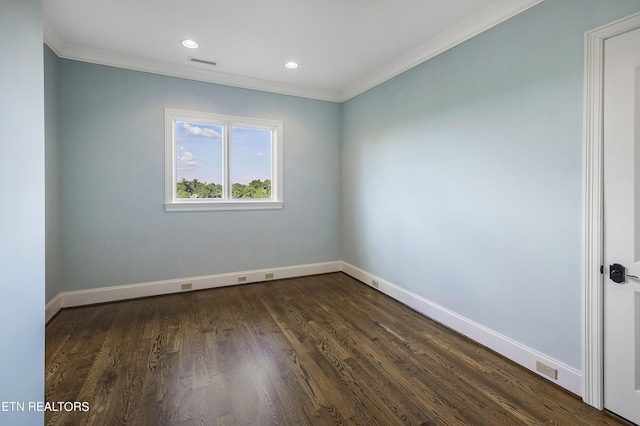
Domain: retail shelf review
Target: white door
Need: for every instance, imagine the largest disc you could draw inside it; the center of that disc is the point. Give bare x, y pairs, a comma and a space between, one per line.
622, 225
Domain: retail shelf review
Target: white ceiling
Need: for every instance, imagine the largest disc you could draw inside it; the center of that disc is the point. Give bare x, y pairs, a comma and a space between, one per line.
344, 47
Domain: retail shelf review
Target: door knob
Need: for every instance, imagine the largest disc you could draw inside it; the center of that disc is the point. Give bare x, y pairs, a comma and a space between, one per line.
617, 273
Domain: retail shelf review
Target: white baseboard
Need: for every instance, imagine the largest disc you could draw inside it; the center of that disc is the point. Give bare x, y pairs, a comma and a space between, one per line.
132, 291
568, 377
53, 307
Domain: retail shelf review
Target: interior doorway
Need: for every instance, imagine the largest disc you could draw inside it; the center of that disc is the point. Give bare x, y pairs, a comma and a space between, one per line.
595, 269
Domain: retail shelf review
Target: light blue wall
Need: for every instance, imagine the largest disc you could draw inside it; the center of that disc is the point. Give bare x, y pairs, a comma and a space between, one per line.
114, 227
460, 179
52, 176
462, 176
22, 232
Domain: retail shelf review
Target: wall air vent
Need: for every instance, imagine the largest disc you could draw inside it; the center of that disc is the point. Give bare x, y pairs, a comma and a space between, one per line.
205, 62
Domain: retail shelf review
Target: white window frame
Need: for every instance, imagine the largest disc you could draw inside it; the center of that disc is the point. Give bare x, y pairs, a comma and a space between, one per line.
172, 204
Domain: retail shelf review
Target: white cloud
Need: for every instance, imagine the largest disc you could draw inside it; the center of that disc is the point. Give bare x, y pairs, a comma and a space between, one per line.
259, 154
186, 160
200, 131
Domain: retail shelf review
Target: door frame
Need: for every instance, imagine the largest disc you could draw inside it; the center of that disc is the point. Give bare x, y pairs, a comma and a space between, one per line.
593, 203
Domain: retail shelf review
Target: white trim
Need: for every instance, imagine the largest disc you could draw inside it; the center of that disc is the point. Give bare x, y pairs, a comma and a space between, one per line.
136, 63
227, 122
487, 18
592, 234
568, 377
53, 307
193, 206
69, 299
52, 38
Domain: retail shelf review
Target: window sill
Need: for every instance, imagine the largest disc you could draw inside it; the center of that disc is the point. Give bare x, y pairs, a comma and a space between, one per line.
212, 206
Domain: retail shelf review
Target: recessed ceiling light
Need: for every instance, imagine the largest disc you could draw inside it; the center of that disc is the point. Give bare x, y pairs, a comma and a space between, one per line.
291, 65
191, 44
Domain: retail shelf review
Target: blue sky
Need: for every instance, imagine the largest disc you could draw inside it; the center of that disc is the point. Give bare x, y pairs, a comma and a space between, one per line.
199, 153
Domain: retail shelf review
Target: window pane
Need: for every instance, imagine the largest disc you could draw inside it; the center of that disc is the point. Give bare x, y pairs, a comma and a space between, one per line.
250, 163
198, 160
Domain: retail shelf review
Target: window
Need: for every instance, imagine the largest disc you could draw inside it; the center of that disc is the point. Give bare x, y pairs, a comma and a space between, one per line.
221, 162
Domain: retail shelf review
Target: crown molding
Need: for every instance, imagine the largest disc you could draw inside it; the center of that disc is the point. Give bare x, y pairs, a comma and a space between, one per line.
52, 38
120, 60
487, 18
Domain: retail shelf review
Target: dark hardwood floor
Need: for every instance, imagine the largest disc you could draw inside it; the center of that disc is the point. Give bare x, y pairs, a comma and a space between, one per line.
318, 350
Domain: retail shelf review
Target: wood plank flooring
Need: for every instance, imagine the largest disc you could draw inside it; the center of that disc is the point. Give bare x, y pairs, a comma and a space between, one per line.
318, 350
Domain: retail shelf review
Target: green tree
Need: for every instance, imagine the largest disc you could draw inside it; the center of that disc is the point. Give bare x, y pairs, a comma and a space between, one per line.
196, 189
255, 189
